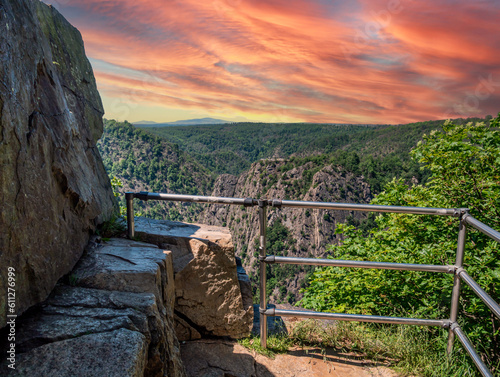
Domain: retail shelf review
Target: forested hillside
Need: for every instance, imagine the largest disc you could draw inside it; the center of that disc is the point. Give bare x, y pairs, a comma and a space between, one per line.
144, 162
232, 148
329, 163
464, 161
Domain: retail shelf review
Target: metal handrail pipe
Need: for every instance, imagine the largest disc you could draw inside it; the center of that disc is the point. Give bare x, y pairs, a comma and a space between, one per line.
196, 199
129, 198
273, 312
263, 274
471, 351
360, 264
495, 308
372, 208
475, 223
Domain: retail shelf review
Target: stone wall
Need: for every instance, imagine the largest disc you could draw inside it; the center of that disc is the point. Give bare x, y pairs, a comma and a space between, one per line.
53, 186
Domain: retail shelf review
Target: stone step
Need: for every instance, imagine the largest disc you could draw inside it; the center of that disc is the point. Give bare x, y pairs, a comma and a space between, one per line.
120, 352
113, 317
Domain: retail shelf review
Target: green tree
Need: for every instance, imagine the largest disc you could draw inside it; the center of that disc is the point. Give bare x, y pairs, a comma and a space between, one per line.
465, 164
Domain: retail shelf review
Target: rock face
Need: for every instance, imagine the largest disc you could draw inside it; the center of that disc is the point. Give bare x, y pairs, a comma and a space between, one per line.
53, 186
304, 233
208, 297
245, 285
114, 317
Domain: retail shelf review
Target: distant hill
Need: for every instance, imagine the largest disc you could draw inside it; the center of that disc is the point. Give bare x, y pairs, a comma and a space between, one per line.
186, 122
233, 147
144, 122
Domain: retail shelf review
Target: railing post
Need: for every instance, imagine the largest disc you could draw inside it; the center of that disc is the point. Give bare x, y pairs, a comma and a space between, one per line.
455, 296
129, 197
262, 255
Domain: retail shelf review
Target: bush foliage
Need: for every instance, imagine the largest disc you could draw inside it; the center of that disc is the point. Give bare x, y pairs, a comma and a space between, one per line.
464, 161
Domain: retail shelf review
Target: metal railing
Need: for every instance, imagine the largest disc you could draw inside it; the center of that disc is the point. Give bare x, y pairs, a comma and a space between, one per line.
456, 269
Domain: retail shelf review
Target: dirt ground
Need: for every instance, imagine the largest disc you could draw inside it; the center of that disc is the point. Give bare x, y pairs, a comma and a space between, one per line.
227, 358
219, 358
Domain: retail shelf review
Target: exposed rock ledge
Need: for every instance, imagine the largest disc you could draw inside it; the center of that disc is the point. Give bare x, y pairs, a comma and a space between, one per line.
114, 314
208, 284
114, 318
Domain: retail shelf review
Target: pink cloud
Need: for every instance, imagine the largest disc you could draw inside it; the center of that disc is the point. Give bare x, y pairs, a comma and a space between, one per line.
309, 60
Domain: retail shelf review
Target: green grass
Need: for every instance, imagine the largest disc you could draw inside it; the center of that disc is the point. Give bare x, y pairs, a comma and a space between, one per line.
275, 345
409, 350
112, 228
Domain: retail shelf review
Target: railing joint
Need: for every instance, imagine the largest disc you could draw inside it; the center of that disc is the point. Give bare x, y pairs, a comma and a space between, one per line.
270, 312
446, 324
263, 311
248, 202
459, 212
143, 195
270, 259
276, 203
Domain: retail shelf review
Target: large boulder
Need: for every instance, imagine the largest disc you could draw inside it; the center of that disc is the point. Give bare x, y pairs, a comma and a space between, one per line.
208, 297
54, 190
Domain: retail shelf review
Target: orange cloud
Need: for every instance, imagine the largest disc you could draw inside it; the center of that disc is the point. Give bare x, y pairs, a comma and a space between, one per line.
363, 61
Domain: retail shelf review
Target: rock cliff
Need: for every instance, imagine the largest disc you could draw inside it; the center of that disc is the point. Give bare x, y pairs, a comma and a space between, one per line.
53, 186
292, 232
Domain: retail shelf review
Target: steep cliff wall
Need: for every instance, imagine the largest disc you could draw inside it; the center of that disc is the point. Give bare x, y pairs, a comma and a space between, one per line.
53, 186
291, 232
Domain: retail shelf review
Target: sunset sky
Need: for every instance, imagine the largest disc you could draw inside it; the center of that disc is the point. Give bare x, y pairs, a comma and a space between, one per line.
332, 61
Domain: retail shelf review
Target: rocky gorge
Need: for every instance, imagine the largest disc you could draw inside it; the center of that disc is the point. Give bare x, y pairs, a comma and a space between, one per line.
291, 231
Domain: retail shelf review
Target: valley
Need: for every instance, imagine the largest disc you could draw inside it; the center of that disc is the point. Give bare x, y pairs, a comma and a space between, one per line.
336, 163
